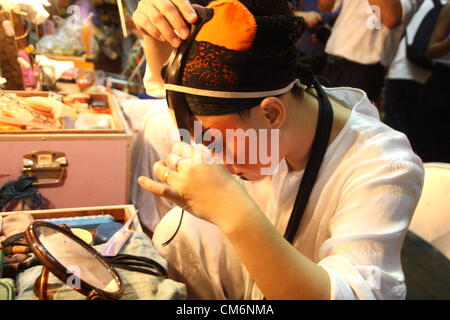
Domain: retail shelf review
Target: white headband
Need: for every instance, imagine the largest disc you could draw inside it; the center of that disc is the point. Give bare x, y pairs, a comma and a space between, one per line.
233, 95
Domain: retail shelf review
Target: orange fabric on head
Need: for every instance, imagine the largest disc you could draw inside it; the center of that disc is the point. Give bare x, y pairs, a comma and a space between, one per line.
232, 26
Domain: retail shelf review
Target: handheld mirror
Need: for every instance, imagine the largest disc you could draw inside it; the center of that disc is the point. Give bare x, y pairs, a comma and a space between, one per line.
72, 261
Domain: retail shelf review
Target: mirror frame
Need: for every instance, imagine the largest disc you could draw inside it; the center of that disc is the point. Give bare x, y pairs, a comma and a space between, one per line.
55, 267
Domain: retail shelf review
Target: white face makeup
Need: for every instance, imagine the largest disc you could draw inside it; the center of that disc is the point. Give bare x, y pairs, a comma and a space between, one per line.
246, 150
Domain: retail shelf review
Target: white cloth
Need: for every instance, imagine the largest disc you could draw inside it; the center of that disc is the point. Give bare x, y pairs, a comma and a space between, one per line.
401, 68
54, 68
152, 143
359, 36
353, 227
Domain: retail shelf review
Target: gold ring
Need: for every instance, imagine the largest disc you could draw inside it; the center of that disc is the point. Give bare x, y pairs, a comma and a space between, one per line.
166, 175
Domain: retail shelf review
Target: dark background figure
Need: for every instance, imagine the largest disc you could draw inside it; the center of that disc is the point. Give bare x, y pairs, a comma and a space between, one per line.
430, 136
312, 43
363, 41
406, 79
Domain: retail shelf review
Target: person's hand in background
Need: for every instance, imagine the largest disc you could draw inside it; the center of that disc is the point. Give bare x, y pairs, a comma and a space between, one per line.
312, 18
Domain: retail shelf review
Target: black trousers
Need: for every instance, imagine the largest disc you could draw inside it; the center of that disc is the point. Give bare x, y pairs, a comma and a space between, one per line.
399, 103
430, 123
344, 73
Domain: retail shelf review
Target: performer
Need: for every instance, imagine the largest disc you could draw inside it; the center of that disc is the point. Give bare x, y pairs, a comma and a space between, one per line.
330, 221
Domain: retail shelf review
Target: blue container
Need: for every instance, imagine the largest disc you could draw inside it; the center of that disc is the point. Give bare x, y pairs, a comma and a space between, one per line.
105, 231
84, 222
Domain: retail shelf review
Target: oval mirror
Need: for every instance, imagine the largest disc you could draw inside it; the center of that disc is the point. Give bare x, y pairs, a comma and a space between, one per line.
73, 261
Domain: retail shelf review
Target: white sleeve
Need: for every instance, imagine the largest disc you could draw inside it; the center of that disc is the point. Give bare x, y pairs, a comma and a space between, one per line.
409, 8
152, 143
362, 255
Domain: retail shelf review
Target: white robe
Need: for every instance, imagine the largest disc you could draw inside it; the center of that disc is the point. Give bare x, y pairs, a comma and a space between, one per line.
353, 227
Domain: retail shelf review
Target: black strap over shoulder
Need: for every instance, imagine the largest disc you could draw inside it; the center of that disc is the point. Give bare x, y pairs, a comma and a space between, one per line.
318, 150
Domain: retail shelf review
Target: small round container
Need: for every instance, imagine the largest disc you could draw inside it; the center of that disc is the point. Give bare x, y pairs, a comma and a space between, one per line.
83, 234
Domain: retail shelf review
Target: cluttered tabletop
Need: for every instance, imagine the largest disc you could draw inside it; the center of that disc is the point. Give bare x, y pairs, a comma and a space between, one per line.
71, 102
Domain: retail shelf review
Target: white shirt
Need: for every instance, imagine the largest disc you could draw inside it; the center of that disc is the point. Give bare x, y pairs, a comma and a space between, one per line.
401, 68
358, 34
353, 226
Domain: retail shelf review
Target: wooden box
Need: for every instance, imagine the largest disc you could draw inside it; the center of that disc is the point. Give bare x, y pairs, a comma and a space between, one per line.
120, 213
98, 161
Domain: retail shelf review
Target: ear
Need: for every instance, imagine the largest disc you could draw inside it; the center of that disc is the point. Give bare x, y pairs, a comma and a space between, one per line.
274, 111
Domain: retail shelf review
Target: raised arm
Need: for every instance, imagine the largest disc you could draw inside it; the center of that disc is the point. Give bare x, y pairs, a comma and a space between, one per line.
312, 18
439, 43
163, 24
156, 54
268, 257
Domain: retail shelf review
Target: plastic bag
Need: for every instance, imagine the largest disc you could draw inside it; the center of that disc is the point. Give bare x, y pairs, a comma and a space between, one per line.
67, 41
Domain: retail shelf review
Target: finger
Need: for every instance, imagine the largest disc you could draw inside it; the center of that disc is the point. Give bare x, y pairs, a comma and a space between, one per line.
140, 15
160, 22
182, 149
155, 33
174, 17
143, 24
186, 9
195, 154
161, 190
174, 160
160, 168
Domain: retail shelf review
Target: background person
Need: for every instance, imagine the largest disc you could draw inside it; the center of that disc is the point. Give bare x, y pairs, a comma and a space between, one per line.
364, 40
430, 135
406, 80
312, 43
